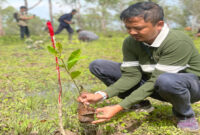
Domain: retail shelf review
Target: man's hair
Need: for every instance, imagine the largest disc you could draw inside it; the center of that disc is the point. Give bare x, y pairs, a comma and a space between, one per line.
23, 7
74, 10
149, 11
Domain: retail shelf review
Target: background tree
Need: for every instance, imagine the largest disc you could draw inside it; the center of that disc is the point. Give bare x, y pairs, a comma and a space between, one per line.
40, 23
191, 11
9, 24
91, 20
26, 3
1, 27
51, 12
104, 10
33, 6
1, 24
103, 15
76, 4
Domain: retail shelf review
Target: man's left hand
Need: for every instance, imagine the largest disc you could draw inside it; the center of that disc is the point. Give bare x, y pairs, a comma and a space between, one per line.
106, 113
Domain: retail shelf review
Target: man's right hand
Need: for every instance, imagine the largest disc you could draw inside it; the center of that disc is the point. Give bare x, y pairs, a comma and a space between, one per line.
31, 17
88, 98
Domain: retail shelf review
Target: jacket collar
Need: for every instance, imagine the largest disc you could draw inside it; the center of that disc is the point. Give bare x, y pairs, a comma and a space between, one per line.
160, 38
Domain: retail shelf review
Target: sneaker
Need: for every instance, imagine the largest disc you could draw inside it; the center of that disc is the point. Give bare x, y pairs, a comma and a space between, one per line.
143, 106
188, 124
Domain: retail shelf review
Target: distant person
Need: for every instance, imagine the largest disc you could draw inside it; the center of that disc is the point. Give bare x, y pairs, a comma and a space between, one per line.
85, 35
23, 18
65, 21
188, 28
198, 33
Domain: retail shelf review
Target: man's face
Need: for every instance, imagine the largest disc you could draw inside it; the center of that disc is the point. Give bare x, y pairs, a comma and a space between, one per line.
73, 13
141, 30
23, 9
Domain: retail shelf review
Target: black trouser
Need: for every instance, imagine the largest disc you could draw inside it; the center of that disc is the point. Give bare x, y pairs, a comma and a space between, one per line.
68, 28
24, 30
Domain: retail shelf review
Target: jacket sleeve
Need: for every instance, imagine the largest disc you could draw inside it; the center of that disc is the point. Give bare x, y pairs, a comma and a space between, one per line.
131, 74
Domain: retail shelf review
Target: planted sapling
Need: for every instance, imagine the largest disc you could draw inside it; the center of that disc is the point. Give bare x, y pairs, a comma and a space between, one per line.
85, 113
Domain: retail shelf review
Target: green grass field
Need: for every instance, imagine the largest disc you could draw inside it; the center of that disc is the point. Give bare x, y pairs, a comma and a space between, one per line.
29, 91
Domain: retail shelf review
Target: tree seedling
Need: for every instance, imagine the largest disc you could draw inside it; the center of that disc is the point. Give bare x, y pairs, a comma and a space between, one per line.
56, 50
85, 113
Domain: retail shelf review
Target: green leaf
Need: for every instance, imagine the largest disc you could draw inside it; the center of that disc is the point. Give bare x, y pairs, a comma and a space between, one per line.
71, 64
76, 59
61, 65
59, 47
62, 56
75, 74
74, 54
52, 50
73, 58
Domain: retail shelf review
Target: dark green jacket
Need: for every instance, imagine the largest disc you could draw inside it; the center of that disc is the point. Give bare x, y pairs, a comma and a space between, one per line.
176, 53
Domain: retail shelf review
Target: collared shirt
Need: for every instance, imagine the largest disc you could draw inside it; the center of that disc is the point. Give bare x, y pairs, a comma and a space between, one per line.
160, 38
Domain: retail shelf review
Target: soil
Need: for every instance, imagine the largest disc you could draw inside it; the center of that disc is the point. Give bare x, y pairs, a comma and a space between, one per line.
85, 113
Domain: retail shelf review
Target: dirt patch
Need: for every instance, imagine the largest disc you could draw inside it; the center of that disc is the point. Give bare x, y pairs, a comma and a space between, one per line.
32, 64
19, 54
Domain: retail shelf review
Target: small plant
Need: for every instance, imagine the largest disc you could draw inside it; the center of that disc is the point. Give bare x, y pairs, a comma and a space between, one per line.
72, 60
56, 50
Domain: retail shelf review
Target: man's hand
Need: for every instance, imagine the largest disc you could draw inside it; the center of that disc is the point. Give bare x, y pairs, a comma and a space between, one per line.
88, 98
32, 17
106, 113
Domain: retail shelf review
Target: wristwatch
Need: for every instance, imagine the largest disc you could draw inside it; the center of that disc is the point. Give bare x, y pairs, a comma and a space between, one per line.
103, 94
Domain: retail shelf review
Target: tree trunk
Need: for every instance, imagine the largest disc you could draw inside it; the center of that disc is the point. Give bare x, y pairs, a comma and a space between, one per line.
103, 24
51, 12
78, 8
103, 20
1, 26
36, 4
26, 5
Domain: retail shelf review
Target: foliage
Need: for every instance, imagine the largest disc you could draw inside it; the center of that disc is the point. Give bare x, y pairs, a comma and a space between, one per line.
40, 23
9, 24
191, 12
104, 15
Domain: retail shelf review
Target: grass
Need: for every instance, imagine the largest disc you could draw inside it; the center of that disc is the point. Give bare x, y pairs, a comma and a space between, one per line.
29, 91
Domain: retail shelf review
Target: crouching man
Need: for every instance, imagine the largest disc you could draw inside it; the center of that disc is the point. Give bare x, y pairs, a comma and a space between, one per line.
85, 35
157, 62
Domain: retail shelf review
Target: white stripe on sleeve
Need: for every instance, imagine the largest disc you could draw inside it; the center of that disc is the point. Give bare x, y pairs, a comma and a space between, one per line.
130, 64
148, 68
171, 69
